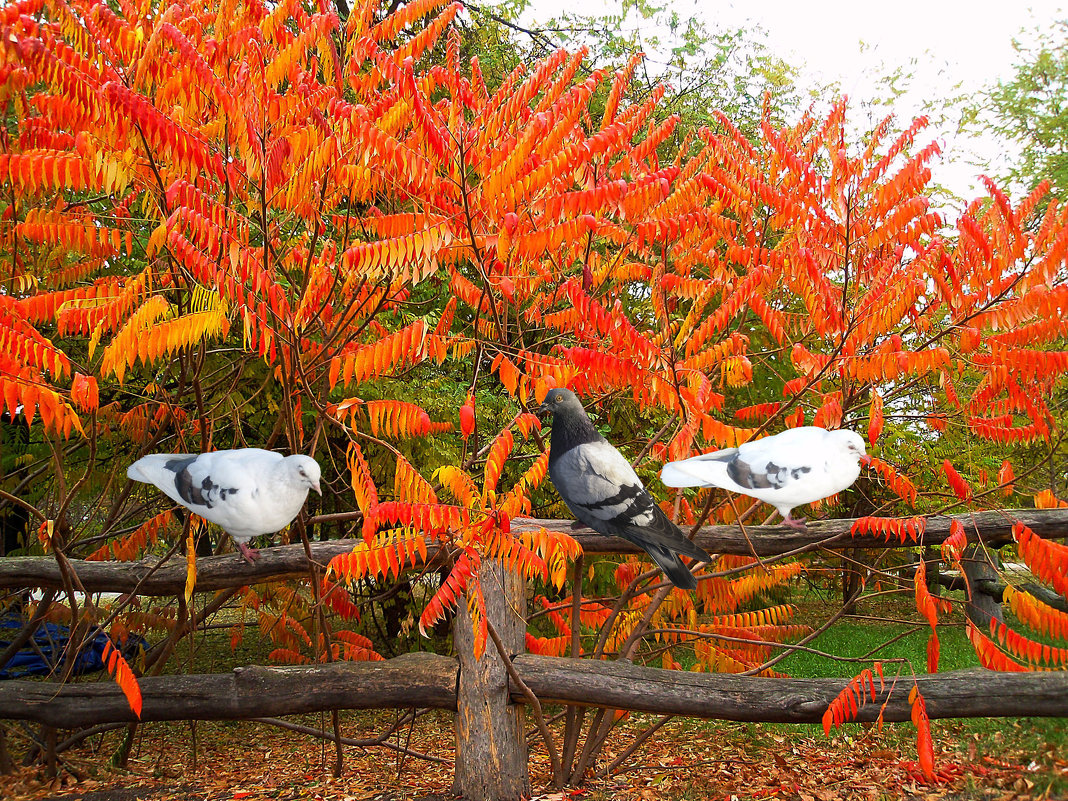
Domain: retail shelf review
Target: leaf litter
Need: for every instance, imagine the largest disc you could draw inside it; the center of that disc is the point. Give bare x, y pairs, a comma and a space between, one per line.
719, 761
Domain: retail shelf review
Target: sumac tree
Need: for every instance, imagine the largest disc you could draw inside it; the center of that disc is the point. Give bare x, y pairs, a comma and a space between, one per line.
259, 224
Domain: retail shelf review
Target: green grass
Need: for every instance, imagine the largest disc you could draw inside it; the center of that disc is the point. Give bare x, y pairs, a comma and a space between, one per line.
879, 641
1044, 738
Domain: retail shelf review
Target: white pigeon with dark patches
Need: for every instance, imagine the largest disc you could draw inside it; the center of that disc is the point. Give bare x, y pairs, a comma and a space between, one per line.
798, 466
603, 492
247, 492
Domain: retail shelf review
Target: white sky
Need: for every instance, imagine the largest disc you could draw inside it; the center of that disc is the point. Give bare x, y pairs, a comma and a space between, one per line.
942, 42
971, 40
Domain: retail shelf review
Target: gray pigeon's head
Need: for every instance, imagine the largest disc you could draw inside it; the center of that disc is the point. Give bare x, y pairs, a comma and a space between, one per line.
304, 471
850, 443
561, 401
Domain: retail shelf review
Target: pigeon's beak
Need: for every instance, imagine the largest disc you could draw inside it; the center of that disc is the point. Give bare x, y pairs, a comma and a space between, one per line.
317, 488
543, 409
865, 460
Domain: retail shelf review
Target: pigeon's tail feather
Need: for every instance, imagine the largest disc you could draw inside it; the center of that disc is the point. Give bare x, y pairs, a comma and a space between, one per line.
700, 471
672, 565
149, 469
661, 533
678, 542
160, 470
696, 553
664, 542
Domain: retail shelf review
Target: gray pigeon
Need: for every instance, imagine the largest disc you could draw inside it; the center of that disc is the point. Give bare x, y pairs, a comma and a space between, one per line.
247, 492
603, 492
799, 465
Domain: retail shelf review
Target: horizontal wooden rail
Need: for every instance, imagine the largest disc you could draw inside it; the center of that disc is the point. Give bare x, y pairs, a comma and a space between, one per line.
146, 577
994, 528
620, 685
429, 680
410, 680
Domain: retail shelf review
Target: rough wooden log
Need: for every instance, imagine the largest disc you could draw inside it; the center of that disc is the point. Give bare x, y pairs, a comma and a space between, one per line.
979, 607
491, 748
289, 561
996, 590
619, 685
148, 577
428, 680
993, 528
411, 680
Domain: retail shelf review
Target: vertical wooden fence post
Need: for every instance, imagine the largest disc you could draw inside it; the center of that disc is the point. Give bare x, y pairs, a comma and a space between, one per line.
491, 750
980, 607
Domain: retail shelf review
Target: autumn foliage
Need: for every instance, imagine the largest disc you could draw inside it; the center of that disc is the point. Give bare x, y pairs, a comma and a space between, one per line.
249, 223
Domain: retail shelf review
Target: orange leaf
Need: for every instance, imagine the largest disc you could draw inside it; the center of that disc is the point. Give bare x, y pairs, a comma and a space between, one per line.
956, 483
467, 417
924, 743
124, 676
875, 419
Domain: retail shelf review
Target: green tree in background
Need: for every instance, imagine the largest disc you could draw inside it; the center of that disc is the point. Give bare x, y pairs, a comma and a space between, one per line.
1032, 108
730, 70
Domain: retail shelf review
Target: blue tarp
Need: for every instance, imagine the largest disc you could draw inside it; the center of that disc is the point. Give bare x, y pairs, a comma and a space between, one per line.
50, 640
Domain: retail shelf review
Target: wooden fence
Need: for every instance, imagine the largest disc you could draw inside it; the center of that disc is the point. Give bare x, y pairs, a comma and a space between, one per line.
488, 696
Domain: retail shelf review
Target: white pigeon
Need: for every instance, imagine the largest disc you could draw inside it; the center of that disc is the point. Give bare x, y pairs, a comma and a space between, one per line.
247, 491
798, 466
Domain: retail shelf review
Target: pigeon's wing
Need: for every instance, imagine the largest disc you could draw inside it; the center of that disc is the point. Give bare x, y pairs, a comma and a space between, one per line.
772, 463
781, 461
599, 486
665, 534
221, 486
157, 469
603, 491
213, 478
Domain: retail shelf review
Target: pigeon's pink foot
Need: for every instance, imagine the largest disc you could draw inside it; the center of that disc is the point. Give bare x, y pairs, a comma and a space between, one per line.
250, 554
797, 523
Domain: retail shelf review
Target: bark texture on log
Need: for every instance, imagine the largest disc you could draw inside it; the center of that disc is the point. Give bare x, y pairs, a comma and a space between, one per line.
492, 762
411, 680
980, 607
148, 577
993, 528
995, 588
619, 685
428, 680
289, 561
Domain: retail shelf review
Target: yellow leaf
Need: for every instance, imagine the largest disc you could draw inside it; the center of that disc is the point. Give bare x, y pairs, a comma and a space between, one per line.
190, 564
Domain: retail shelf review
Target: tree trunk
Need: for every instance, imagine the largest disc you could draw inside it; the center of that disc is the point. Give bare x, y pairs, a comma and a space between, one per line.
491, 749
851, 580
5, 758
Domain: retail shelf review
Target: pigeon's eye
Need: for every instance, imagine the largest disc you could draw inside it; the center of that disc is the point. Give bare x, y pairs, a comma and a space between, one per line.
559, 398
